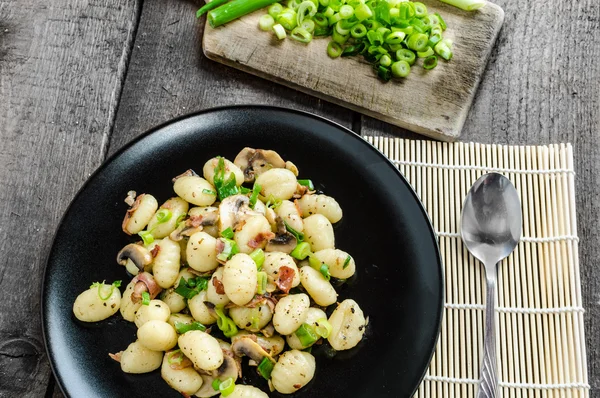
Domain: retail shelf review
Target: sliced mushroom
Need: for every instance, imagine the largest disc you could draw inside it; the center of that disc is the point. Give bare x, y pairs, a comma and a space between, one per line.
283, 241
268, 330
246, 345
207, 390
140, 256
292, 167
233, 210
254, 162
187, 173
183, 230
229, 368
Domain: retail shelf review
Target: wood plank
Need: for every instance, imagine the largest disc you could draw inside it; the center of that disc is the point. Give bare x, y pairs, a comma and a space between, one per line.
169, 76
434, 103
61, 67
540, 92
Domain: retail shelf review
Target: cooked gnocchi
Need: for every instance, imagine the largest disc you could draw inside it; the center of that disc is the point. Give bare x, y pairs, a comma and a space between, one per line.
236, 266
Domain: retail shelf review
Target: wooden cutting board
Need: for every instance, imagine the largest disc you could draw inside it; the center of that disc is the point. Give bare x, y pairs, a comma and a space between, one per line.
434, 103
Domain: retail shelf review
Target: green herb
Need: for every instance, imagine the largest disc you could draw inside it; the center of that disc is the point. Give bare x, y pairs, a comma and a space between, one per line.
182, 327
145, 298
265, 368
191, 287
227, 233
215, 384
226, 185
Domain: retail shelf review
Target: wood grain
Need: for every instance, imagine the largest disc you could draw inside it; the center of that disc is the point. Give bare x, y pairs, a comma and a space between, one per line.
434, 103
169, 76
540, 92
61, 66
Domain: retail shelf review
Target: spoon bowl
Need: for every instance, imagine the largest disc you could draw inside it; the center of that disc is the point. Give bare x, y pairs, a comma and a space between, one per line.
491, 229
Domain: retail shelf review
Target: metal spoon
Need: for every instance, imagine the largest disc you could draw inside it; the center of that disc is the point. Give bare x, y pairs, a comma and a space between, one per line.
491, 228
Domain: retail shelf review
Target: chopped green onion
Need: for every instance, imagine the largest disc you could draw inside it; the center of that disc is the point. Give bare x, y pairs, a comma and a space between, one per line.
307, 183
320, 31
163, 215
191, 287
254, 196
341, 30
384, 72
406, 55
182, 327
400, 69
346, 262
301, 251
300, 34
417, 41
227, 387
328, 13
146, 237
339, 38
230, 248
234, 10
175, 357
443, 50
323, 328
430, 62
467, 5
442, 22
346, 11
306, 9
375, 38
309, 25
266, 22
385, 60
209, 6
210, 191
145, 298
321, 20
287, 18
275, 9
225, 185
420, 9
225, 324
425, 53
353, 50
363, 12
324, 269
227, 233
261, 282
358, 31
394, 13
265, 368
215, 384
298, 235
407, 31
306, 334
395, 37
294, 4
100, 285
407, 10
279, 31
258, 255
335, 18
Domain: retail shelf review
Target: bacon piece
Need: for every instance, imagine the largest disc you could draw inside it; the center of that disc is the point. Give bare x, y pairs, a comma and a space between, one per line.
116, 356
285, 279
194, 221
260, 238
144, 283
219, 288
155, 250
256, 300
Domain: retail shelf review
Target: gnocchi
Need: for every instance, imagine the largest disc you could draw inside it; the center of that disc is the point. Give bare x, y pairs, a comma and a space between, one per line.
249, 264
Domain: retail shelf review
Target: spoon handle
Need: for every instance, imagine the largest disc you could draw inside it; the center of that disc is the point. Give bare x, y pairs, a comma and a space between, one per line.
489, 377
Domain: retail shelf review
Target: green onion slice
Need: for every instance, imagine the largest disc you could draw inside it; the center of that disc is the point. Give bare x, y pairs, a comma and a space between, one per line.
146, 237
420, 9
227, 233
163, 215
225, 324
265, 368
275, 9
395, 37
430, 62
258, 255
406, 55
320, 20
301, 251
400, 69
346, 11
324, 269
358, 31
323, 328
443, 50
175, 357
385, 60
417, 41
294, 4
227, 387
346, 262
425, 53
306, 9
229, 250
225, 185
309, 25
215, 384
301, 34
279, 31
306, 334
307, 183
266, 22
299, 235
261, 282
182, 327
145, 298
442, 22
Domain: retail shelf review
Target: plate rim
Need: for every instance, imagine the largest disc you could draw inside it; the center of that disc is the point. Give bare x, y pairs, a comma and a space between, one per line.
239, 107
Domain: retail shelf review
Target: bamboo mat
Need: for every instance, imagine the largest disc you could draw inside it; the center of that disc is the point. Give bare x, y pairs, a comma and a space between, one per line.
539, 318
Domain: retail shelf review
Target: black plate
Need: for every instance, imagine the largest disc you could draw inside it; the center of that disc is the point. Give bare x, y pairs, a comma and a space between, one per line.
399, 281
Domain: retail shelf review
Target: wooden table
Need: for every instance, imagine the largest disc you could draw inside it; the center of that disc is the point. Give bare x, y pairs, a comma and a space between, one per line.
79, 79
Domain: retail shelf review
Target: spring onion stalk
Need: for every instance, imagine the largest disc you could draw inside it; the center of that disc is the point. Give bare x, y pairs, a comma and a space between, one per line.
258, 255
425, 53
323, 328
400, 69
442, 22
225, 324
145, 298
146, 237
261, 282
302, 35
275, 9
226, 387
301, 251
298, 235
266, 22
182, 327
467, 5
306, 334
234, 10
265, 368
209, 6
307, 183
227, 233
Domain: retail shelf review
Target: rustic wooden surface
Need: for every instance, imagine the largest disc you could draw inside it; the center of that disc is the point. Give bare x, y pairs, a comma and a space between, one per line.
434, 103
72, 91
